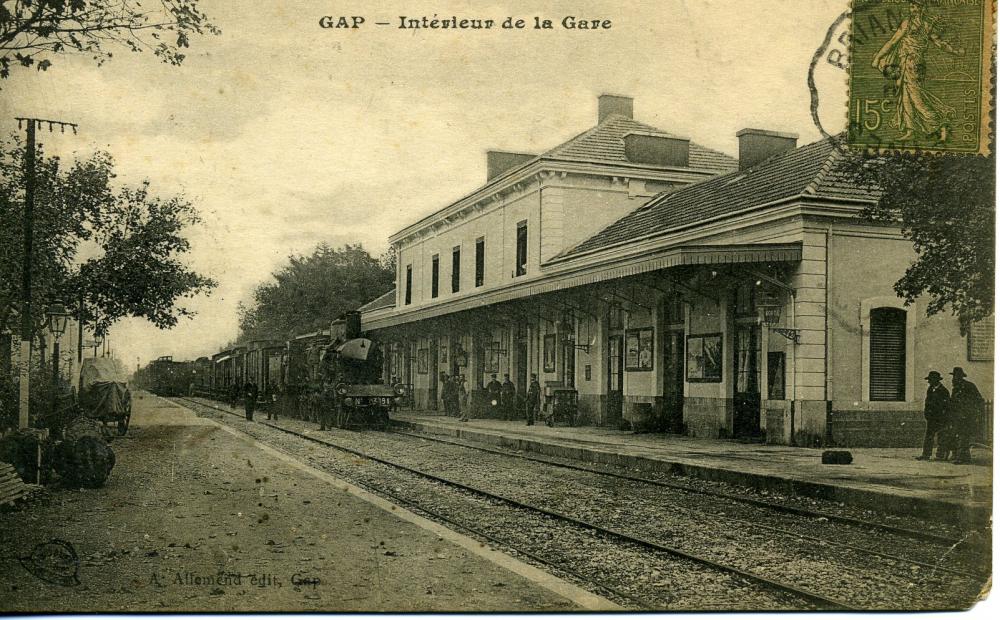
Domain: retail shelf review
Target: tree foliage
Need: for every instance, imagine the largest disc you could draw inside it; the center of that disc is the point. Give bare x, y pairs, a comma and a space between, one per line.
310, 291
119, 247
32, 32
946, 207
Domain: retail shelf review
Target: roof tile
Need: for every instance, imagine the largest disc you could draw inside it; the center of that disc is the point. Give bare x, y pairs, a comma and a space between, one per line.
807, 169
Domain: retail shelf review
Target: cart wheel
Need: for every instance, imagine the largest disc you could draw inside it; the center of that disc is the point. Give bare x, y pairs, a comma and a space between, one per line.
123, 424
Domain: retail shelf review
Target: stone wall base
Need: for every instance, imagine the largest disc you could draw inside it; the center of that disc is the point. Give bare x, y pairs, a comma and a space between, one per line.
708, 417
877, 429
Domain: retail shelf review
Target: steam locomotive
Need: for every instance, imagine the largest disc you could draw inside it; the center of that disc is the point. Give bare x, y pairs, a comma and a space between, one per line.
336, 372
354, 365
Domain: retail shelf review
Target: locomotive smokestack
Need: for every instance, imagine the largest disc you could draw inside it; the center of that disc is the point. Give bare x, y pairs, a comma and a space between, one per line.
352, 324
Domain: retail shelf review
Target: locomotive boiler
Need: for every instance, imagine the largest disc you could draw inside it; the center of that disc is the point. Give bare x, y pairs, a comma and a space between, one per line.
353, 364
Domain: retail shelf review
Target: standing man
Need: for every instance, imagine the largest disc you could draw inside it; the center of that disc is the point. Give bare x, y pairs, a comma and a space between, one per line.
534, 399
936, 415
325, 404
463, 399
965, 409
493, 392
249, 398
508, 395
448, 395
234, 394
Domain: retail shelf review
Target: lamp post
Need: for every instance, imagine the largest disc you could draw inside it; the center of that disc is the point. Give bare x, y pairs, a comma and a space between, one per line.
98, 342
58, 317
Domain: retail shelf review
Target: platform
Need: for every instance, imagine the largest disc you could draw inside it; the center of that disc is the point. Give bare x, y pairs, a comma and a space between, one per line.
886, 479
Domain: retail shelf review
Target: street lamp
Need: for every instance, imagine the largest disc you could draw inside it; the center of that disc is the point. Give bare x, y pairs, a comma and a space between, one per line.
57, 319
98, 342
770, 306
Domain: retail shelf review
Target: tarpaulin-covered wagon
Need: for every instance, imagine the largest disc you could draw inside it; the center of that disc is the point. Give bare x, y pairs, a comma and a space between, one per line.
104, 394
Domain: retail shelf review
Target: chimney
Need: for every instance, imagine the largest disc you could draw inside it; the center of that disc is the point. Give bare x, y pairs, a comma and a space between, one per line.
613, 104
498, 162
756, 145
656, 149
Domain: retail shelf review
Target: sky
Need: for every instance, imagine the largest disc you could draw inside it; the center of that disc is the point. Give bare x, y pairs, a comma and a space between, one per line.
285, 135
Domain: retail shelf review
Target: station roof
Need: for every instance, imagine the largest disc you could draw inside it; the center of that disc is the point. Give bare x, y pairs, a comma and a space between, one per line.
386, 300
809, 170
602, 144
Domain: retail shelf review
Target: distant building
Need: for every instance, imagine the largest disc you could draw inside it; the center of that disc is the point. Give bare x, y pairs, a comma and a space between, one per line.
675, 288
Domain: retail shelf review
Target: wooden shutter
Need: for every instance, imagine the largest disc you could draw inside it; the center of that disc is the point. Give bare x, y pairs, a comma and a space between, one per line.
887, 359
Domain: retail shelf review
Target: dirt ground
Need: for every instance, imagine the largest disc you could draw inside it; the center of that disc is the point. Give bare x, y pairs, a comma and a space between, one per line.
195, 519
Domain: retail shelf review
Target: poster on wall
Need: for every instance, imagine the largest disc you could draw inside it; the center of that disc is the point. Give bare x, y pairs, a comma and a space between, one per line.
549, 353
421, 361
704, 358
639, 349
493, 358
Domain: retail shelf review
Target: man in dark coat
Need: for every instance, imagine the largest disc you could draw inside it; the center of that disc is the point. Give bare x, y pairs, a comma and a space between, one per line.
965, 410
447, 395
234, 394
249, 398
493, 396
534, 399
936, 415
508, 396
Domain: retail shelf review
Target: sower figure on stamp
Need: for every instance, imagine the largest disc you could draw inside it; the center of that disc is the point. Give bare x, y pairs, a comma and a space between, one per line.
936, 415
508, 396
534, 399
903, 59
965, 410
249, 398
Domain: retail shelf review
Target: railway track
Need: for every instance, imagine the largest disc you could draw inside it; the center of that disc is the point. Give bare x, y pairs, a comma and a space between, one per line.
866, 525
776, 507
818, 600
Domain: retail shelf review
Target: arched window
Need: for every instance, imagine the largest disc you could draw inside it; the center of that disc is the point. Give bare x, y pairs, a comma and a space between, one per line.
887, 358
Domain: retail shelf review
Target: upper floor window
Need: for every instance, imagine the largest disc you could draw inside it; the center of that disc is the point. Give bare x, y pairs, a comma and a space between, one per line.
480, 260
521, 267
456, 268
408, 291
887, 355
435, 272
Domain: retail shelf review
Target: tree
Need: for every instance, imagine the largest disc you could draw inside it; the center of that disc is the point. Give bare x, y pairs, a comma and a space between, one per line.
134, 243
34, 31
945, 206
311, 291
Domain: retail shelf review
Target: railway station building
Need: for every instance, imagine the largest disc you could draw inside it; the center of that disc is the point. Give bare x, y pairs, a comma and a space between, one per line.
674, 288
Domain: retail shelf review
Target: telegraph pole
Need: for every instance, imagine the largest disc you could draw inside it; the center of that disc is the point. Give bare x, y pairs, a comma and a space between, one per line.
28, 225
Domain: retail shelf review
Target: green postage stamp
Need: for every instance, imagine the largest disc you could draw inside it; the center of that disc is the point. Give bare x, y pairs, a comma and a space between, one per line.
920, 75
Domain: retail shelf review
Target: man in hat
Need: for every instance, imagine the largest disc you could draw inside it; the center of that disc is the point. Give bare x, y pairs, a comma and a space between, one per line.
508, 396
493, 393
936, 415
965, 409
534, 399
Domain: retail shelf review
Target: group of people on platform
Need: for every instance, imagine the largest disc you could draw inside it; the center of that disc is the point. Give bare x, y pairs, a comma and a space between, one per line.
952, 417
503, 401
